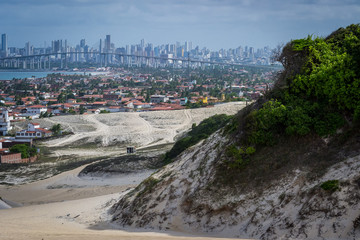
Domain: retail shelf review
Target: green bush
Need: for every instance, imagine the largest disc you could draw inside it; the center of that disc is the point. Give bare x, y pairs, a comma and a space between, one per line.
238, 157
323, 86
263, 123
148, 184
250, 150
331, 185
196, 134
25, 150
56, 129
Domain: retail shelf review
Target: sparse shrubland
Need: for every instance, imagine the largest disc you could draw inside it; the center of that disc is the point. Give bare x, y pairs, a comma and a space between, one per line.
196, 134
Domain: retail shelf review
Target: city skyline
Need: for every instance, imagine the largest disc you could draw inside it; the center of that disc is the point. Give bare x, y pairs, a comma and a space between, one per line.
136, 54
211, 23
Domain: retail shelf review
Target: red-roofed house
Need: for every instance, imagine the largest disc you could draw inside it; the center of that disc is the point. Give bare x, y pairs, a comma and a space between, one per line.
35, 110
33, 131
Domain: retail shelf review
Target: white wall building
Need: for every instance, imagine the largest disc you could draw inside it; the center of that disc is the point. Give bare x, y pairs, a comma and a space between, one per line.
158, 98
36, 110
5, 126
33, 131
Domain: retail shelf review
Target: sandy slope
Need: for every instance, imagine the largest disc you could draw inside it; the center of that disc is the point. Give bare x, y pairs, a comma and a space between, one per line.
70, 207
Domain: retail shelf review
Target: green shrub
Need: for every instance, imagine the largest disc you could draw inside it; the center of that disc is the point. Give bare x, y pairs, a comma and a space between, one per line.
263, 123
56, 129
331, 185
250, 150
238, 157
148, 184
24, 149
196, 134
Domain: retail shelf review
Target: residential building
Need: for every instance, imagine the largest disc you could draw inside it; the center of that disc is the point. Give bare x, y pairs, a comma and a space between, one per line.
5, 126
158, 98
33, 131
35, 110
183, 101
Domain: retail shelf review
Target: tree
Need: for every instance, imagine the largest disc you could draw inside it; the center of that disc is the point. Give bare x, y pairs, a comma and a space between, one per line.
25, 150
82, 110
56, 129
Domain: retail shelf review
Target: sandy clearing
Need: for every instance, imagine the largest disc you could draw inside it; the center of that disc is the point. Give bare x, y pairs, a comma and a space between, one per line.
141, 129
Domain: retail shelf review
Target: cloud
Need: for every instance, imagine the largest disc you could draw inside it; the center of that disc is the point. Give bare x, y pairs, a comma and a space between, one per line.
230, 20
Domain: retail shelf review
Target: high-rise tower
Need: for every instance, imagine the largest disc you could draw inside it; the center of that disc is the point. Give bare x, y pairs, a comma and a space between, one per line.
82, 43
28, 49
107, 43
4, 45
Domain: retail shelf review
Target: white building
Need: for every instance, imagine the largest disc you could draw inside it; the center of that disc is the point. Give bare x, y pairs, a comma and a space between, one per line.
36, 110
5, 126
33, 131
158, 98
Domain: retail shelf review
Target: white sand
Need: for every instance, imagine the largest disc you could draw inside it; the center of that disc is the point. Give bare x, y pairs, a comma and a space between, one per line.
141, 129
69, 207
64, 207
69, 220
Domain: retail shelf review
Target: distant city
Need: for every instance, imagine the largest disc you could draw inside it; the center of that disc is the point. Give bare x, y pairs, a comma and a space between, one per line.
61, 55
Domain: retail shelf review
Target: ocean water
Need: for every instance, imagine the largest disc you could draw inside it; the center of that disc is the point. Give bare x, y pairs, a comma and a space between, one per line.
11, 75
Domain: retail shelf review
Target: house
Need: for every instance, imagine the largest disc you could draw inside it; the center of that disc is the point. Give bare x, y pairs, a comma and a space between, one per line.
183, 101
95, 110
98, 104
35, 110
129, 104
111, 97
5, 126
158, 98
33, 131
138, 104
115, 109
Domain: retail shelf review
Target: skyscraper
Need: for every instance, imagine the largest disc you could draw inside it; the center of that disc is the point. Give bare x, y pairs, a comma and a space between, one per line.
107, 43
28, 49
108, 50
4, 45
82, 43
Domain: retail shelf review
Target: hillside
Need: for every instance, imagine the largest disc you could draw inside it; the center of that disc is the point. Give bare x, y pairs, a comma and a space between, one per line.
285, 167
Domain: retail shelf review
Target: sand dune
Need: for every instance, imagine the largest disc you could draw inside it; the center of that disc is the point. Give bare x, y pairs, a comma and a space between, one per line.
67, 206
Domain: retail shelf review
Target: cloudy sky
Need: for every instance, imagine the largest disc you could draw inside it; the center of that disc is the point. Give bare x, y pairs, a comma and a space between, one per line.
212, 23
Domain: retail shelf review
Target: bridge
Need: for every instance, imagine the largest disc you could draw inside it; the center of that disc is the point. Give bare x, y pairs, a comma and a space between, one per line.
43, 61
